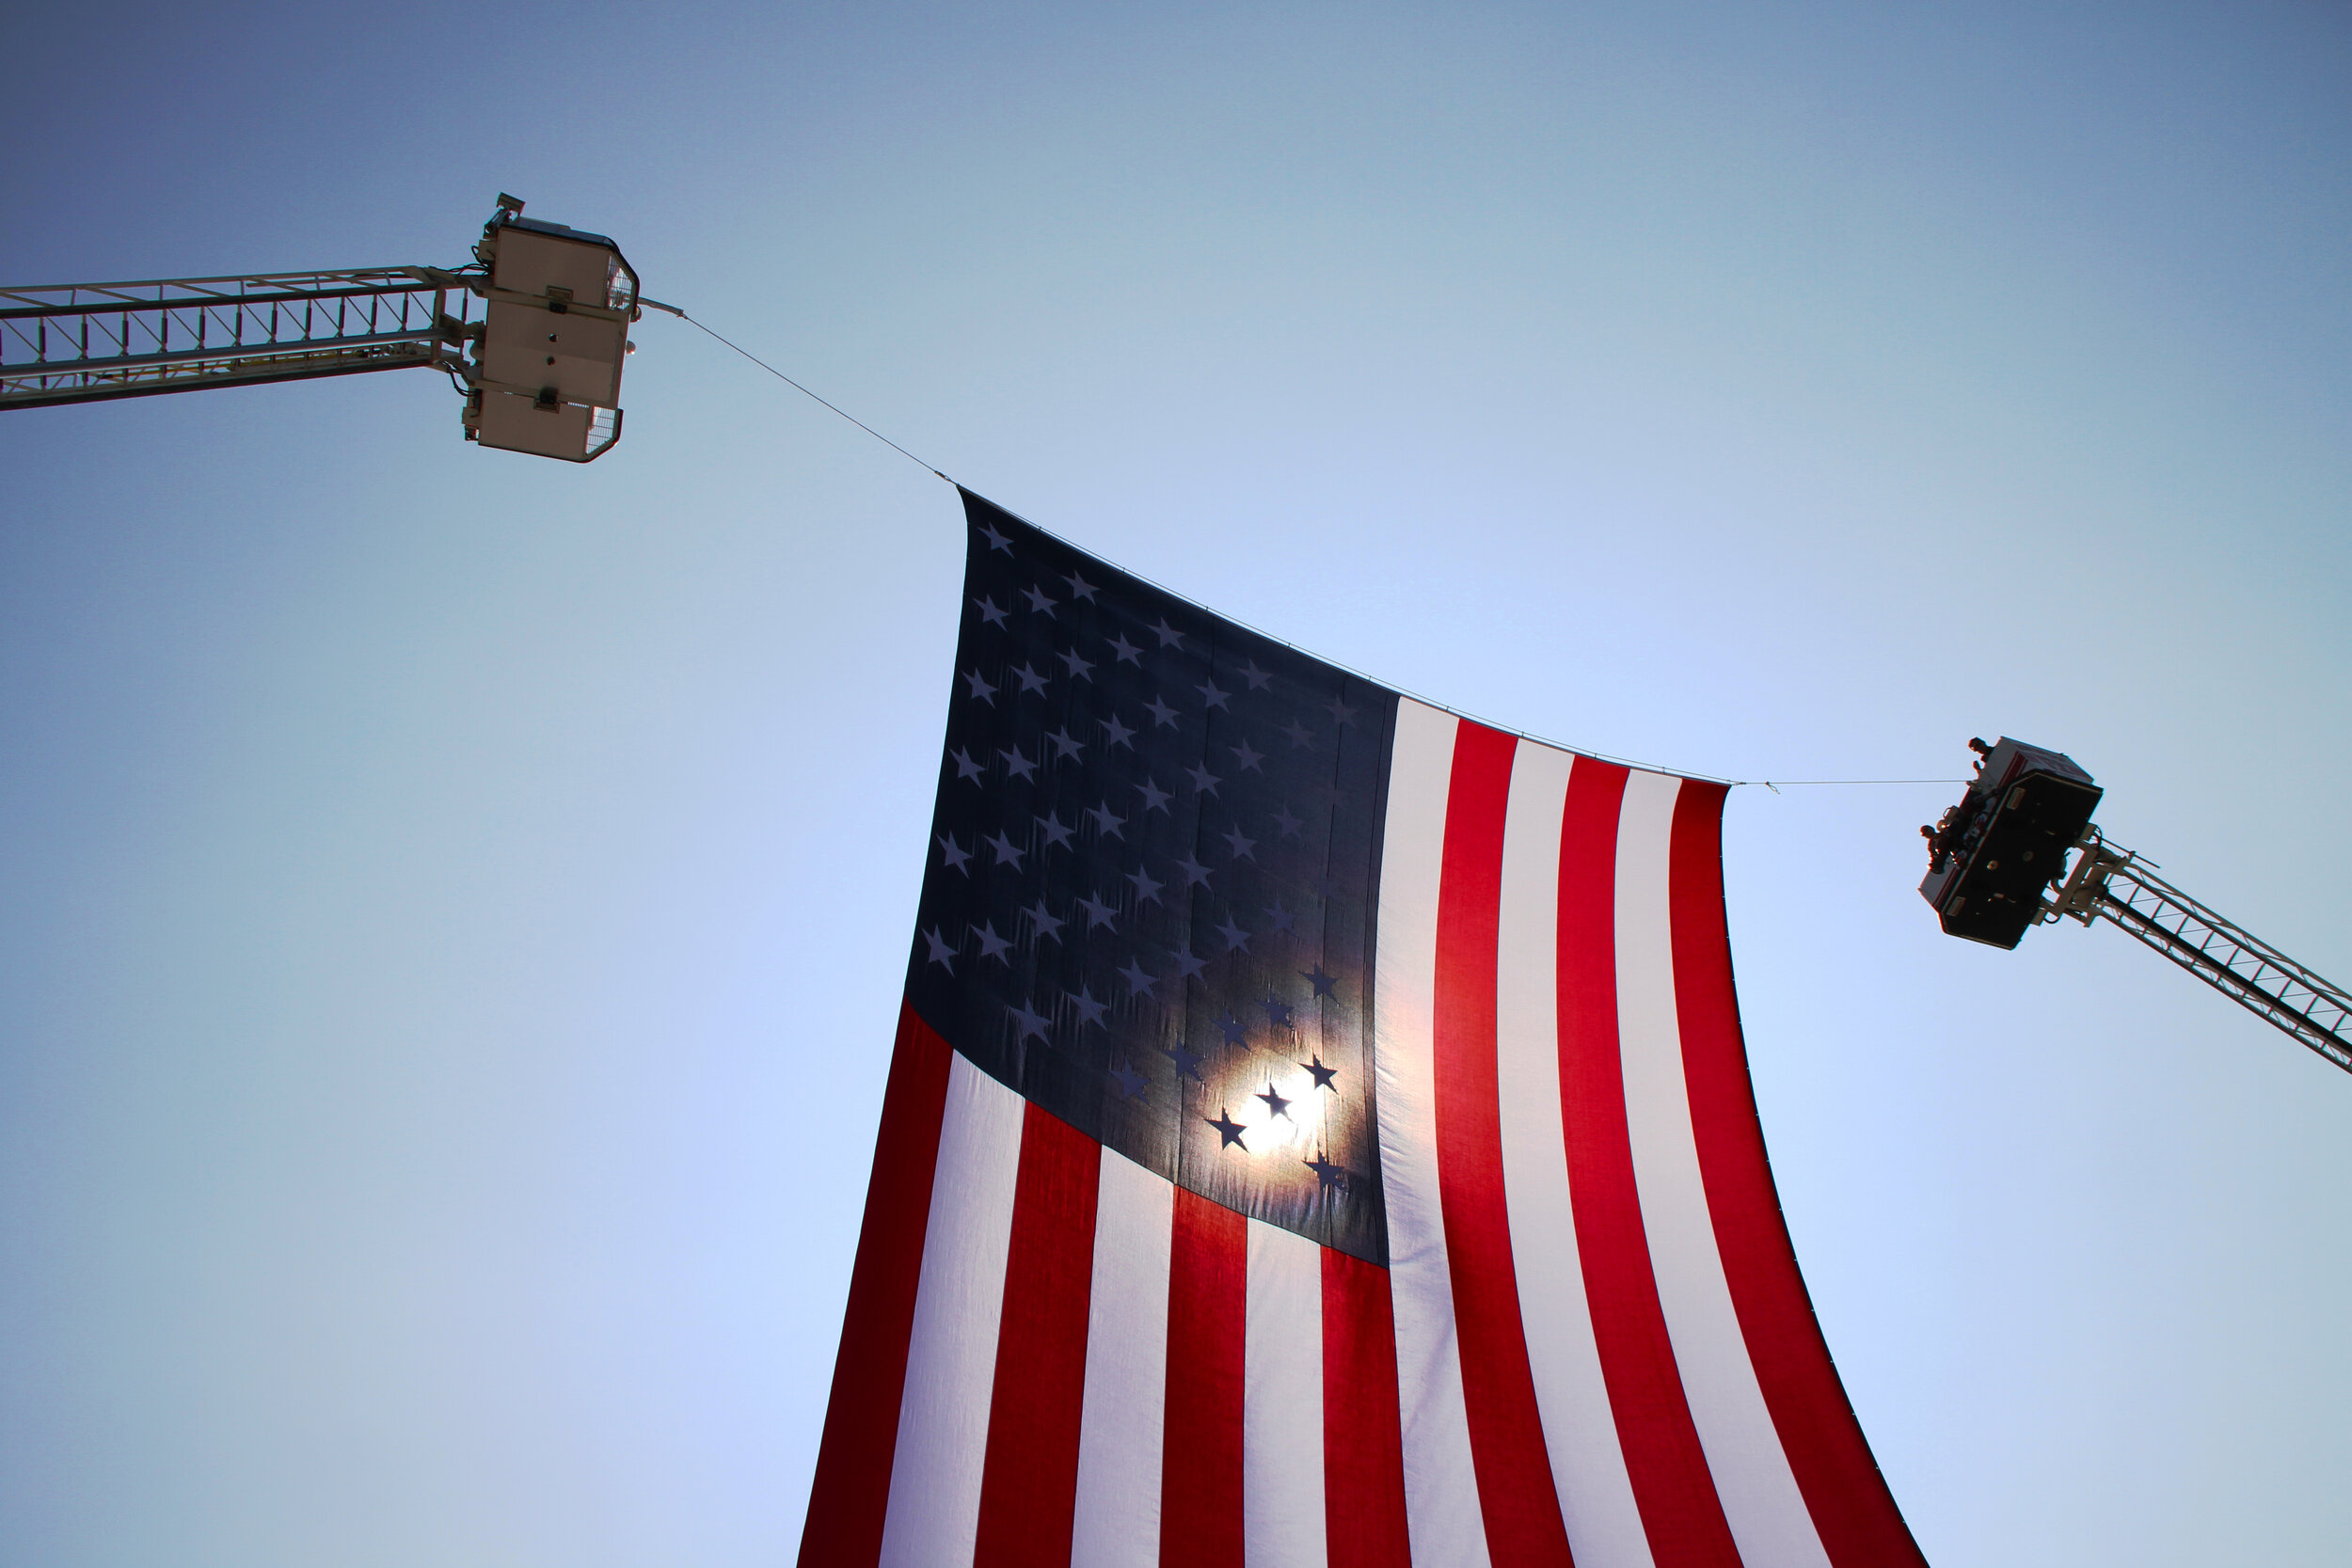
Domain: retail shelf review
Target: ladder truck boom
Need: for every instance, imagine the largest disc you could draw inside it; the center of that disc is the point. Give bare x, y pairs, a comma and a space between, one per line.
532, 331
88, 342
2109, 882
1998, 866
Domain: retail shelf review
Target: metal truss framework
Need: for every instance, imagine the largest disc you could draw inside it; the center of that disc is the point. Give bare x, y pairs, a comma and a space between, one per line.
86, 342
2112, 883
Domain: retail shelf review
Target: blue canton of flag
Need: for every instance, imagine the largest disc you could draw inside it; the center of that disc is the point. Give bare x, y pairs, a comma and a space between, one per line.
1150, 903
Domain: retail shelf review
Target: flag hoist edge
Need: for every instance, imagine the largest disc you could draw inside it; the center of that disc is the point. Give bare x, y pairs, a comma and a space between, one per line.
1319, 1132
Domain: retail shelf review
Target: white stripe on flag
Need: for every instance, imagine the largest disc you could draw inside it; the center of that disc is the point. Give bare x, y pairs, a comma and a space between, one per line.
1587, 1463
1281, 1423
935, 1509
1766, 1511
1121, 1424
1448, 1531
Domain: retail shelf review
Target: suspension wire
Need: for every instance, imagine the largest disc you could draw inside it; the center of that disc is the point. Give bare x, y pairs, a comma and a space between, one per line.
797, 388
1775, 786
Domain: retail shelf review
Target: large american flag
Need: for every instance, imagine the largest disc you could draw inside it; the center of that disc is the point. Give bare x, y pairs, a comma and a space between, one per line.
1318, 1133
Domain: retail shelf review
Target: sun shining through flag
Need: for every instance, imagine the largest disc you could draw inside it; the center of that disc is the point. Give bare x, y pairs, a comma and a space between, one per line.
1319, 1133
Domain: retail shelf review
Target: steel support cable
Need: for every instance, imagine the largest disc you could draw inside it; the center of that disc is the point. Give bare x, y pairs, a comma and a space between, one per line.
2250, 971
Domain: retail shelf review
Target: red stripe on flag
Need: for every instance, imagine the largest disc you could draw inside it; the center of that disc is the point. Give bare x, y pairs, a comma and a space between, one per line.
851, 1489
1029, 1476
1680, 1513
1363, 1443
1208, 1307
1852, 1511
1516, 1495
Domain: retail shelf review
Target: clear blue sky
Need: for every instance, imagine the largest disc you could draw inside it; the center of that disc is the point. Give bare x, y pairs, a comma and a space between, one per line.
451, 903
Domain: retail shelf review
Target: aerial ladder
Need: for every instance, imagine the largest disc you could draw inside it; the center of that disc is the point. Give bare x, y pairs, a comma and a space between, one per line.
532, 332
2020, 850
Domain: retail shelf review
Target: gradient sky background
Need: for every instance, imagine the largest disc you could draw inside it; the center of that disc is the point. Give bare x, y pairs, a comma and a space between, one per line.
452, 904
